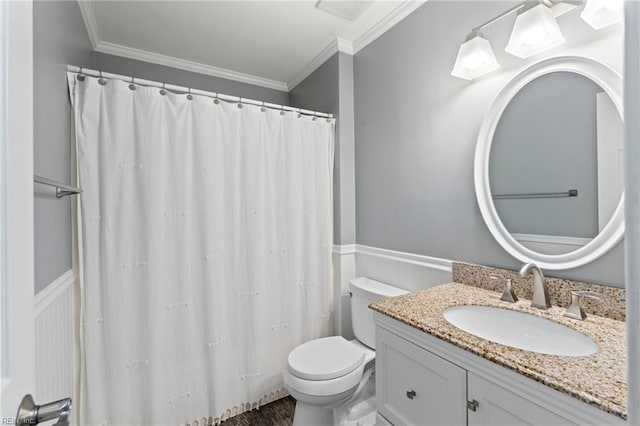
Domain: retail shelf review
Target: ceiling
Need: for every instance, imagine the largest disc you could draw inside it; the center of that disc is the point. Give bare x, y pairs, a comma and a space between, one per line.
274, 44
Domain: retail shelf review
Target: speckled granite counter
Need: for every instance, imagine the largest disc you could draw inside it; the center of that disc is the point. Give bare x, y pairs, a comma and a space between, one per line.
599, 379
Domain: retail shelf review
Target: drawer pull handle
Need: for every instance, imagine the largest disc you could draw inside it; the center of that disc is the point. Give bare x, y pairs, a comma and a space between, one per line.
411, 394
472, 405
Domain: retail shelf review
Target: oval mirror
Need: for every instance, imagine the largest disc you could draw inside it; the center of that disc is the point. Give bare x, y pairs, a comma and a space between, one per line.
548, 165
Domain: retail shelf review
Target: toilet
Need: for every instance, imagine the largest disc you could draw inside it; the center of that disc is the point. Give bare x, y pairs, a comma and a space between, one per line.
332, 378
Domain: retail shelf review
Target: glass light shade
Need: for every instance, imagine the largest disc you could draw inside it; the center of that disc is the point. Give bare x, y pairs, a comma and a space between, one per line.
535, 30
602, 13
475, 58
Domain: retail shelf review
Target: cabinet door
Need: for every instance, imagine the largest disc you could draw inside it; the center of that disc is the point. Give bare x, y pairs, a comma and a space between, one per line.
415, 387
498, 406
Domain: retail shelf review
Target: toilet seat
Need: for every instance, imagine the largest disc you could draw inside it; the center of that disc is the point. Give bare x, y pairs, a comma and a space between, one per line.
325, 359
328, 387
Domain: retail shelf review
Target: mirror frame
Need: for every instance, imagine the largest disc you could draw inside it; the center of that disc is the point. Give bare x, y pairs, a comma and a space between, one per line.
611, 82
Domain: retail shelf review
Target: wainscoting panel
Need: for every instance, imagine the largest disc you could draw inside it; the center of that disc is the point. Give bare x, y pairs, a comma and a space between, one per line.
344, 270
405, 270
54, 340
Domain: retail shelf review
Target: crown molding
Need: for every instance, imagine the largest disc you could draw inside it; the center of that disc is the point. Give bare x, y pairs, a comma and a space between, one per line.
344, 46
90, 22
142, 55
336, 45
385, 24
183, 64
351, 48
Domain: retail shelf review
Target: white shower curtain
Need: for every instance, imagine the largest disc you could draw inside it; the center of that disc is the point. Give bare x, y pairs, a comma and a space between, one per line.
205, 233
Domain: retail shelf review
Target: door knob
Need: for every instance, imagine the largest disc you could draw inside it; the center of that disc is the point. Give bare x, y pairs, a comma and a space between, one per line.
29, 413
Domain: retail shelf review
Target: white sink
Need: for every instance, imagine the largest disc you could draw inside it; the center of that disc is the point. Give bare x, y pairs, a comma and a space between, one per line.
520, 330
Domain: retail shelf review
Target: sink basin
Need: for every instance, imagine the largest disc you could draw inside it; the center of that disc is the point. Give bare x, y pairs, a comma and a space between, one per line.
520, 330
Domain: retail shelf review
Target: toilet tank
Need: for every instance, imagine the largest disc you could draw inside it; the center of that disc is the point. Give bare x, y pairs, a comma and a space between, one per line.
364, 291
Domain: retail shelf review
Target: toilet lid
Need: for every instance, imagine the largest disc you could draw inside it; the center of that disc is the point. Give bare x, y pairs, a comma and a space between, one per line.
324, 359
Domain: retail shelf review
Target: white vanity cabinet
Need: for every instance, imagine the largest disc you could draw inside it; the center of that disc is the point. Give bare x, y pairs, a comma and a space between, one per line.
422, 380
415, 387
498, 406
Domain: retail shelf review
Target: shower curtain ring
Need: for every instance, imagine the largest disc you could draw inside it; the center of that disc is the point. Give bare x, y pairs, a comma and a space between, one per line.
263, 109
162, 91
215, 99
80, 76
189, 94
240, 104
101, 80
132, 86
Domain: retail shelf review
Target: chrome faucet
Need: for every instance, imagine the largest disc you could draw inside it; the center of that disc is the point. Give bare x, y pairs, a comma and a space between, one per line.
540, 297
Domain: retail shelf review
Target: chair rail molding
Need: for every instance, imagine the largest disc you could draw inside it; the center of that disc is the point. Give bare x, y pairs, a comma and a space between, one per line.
52, 292
405, 270
344, 249
440, 264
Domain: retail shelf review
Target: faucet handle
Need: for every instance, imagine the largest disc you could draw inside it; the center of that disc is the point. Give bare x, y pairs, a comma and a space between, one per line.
508, 294
575, 310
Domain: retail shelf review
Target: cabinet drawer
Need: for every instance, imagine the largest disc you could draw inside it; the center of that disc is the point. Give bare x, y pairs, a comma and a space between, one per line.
499, 407
415, 387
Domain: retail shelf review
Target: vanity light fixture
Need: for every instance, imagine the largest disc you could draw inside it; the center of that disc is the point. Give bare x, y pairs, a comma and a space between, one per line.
534, 31
475, 58
602, 13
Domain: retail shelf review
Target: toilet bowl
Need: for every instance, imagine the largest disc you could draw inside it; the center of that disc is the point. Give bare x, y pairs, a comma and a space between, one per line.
331, 378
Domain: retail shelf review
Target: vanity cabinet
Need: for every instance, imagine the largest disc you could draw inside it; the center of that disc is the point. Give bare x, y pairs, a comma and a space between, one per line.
498, 406
415, 387
422, 380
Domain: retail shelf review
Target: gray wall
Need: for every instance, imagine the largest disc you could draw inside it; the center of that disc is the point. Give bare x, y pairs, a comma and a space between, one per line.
132, 67
416, 130
319, 91
545, 141
60, 38
330, 89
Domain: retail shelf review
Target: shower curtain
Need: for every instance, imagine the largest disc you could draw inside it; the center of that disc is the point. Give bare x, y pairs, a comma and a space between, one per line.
204, 233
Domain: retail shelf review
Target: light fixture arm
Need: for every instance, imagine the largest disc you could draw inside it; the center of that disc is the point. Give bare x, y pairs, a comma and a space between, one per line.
498, 17
518, 7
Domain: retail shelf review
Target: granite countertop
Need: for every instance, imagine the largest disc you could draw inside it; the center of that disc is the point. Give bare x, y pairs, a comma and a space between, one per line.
599, 379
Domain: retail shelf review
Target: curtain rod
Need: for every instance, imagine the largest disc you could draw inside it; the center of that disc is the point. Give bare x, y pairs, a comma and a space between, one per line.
182, 89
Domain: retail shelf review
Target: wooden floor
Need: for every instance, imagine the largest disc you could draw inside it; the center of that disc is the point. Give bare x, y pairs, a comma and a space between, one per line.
278, 413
